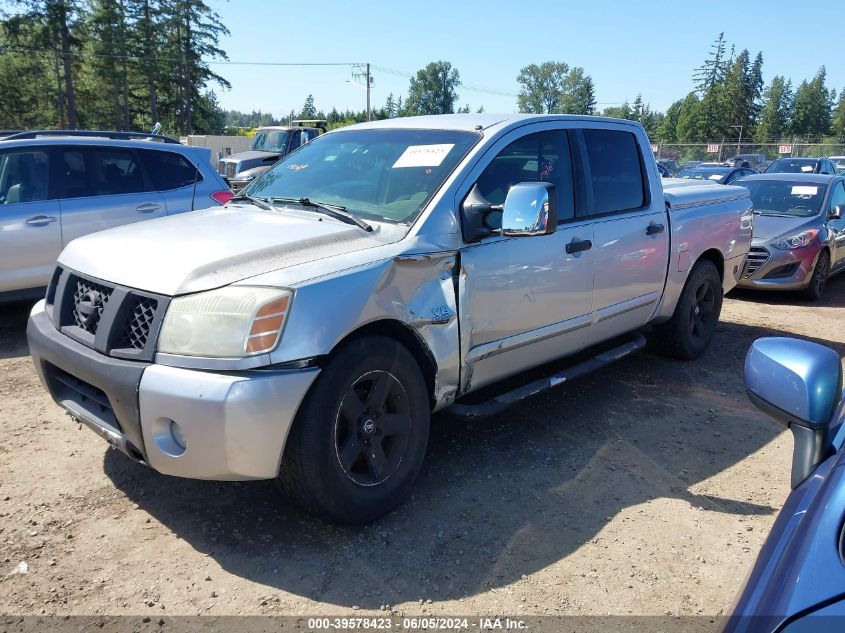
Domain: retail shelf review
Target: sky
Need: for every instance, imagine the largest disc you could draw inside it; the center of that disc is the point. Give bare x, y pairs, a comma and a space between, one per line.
629, 47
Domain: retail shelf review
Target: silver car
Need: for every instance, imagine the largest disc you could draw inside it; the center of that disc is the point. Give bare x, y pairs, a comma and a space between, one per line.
54, 189
799, 232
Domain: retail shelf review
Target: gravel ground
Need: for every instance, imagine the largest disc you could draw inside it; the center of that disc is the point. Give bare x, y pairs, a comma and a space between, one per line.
647, 488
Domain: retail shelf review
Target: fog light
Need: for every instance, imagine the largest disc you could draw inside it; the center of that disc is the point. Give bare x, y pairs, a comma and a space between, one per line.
176, 434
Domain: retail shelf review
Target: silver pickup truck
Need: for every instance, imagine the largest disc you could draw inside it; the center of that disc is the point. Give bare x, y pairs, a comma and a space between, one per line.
307, 330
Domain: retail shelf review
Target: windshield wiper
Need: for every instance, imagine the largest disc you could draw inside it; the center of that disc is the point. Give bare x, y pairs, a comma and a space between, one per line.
258, 202
333, 210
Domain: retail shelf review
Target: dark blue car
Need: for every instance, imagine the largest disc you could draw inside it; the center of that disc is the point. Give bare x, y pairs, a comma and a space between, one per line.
798, 581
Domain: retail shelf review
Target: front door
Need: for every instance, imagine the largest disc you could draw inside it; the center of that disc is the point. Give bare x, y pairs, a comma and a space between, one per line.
30, 231
525, 300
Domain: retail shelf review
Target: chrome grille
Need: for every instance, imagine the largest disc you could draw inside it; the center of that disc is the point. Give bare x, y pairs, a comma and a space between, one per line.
140, 321
230, 170
221, 167
89, 301
756, 258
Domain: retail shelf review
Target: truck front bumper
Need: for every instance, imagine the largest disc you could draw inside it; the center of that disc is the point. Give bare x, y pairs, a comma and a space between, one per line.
182, 422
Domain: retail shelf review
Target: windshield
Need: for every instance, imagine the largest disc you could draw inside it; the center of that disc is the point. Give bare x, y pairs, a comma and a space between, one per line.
798, 199
382, 174
270, 141
703, 174
793, 166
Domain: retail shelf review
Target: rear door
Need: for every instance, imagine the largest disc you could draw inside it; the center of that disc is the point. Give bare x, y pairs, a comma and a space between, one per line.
104, 187
629, 224
30, 231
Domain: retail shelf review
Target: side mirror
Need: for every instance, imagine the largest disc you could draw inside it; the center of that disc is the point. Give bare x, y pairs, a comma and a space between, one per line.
836, 212
303, 137
530, 209
799, 384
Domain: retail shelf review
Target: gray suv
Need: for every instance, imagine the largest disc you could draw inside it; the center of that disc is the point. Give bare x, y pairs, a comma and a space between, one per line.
56, 186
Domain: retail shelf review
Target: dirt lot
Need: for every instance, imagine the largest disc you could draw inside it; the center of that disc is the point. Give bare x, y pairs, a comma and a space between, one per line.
647, 488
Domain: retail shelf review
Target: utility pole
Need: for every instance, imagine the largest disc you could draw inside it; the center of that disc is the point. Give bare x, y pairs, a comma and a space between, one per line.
369, 114
368, 78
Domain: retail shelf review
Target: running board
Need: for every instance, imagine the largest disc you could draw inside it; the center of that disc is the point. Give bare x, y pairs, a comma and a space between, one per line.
504, 400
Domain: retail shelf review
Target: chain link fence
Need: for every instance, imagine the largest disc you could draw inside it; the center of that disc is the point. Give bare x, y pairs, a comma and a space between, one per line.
677, 156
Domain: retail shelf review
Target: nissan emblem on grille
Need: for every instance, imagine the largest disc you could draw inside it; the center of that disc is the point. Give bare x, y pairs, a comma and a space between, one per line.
89, 301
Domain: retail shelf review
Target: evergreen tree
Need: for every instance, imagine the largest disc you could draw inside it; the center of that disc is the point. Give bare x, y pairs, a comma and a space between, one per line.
712, 72
194, 31
309, 111
665, 131
106, 73
53, 24
390, 107
738, 96
838, 126
578, 93
776, 113
689, 128
813, 103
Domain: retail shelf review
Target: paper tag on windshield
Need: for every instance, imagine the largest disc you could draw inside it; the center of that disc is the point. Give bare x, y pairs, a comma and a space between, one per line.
806, 168
804, 190
423, 155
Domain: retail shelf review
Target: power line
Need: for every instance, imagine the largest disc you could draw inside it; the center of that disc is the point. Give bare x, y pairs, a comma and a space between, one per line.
225, 62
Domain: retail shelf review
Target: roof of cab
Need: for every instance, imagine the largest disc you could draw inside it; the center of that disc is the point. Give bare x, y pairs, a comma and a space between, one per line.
475, 122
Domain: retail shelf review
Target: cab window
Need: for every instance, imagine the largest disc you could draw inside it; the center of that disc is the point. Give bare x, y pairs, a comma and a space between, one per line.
542, 156
615, 171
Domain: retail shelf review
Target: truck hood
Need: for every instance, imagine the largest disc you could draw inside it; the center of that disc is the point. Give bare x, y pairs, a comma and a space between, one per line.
769, 226
252, 158
207, 249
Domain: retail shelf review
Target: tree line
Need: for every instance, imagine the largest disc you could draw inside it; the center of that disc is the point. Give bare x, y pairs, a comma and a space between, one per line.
110, 64
126, 64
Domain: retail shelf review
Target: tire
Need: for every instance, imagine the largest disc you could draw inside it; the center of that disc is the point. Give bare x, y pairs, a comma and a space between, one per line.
359, 439
687, 334
814, 291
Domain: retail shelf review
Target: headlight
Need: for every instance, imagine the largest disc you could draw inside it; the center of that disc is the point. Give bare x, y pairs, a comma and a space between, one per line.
799, 240
230, 322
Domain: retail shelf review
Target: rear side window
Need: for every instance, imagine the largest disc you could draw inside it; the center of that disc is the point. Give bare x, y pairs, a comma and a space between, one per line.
24, 176
615, 171
169, 170
542, 156
100, 171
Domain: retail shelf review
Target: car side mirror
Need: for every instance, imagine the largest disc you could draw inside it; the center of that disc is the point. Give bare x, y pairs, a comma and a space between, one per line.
836, 212
799, 384
530, 209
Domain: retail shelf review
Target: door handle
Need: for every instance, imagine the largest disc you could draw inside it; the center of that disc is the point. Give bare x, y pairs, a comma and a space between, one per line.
40, 220
654, 229
148, 207
577, 246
